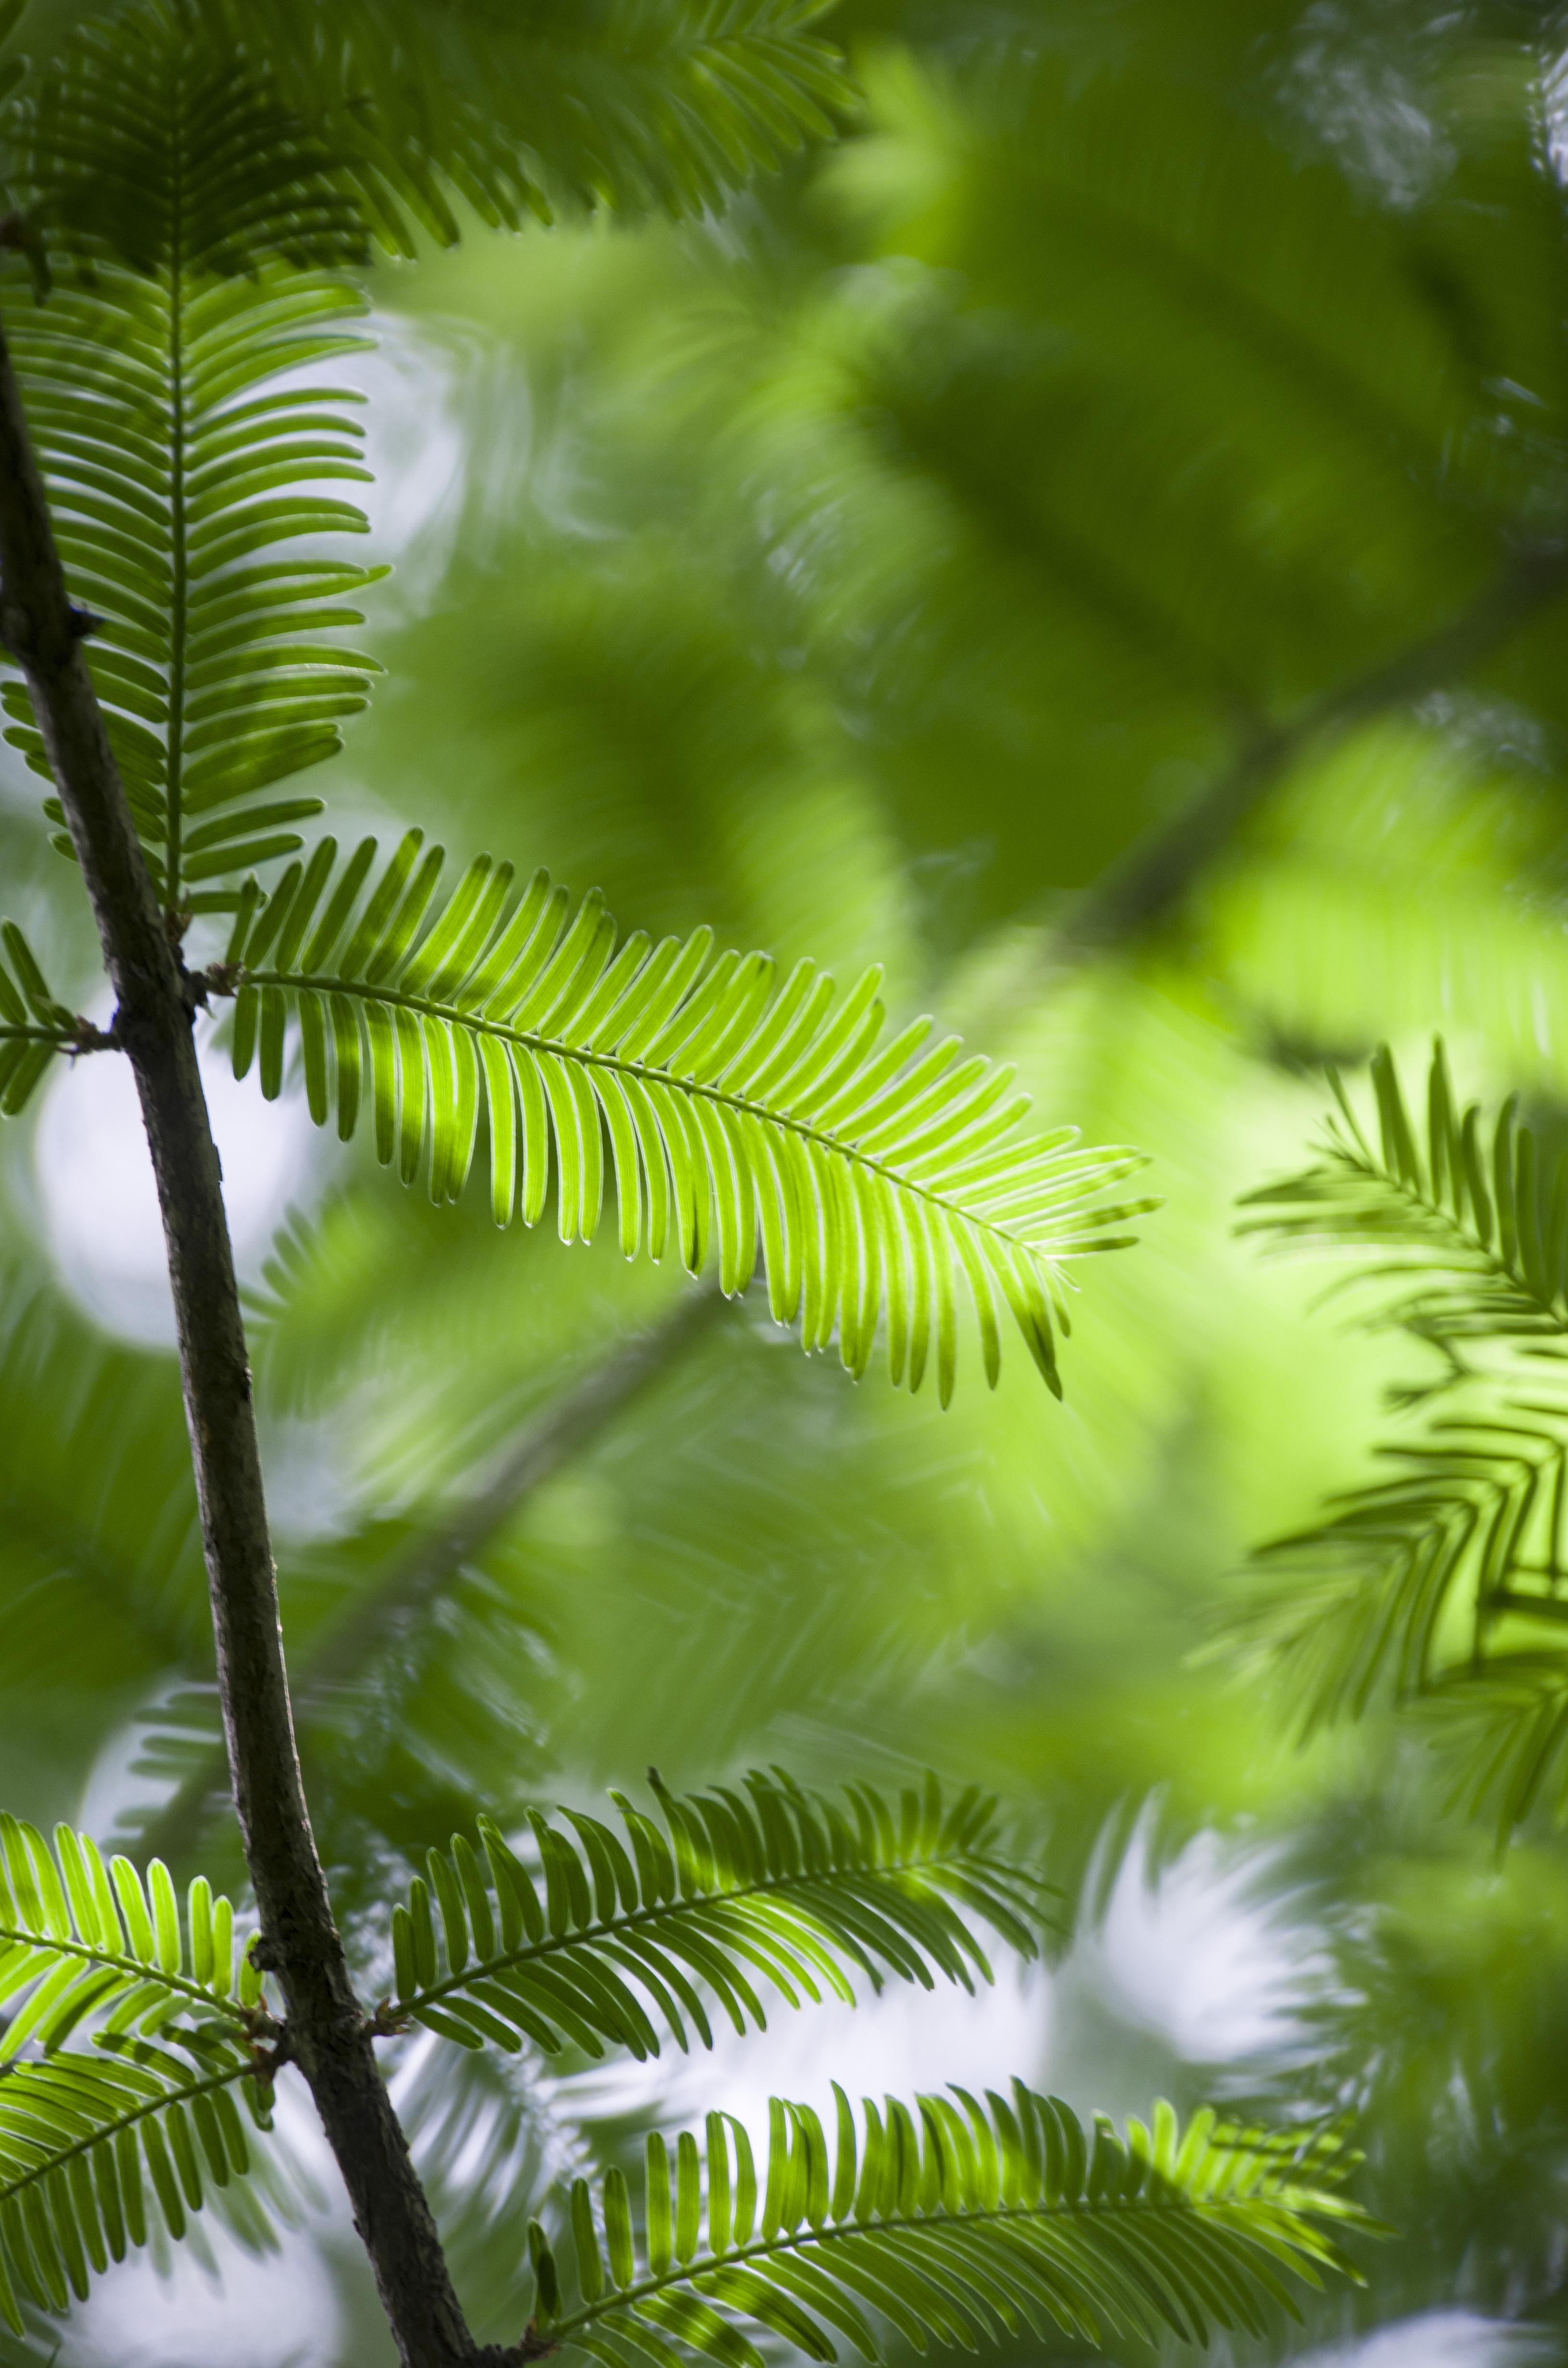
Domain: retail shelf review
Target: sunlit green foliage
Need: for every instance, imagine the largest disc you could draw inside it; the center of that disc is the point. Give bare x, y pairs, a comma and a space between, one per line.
954, 2220
768, 1882
742, 1116
861, 575
171, 2004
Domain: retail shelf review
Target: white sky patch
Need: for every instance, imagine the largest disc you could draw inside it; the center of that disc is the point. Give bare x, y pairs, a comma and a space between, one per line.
1191, 1955
276, 2310
415, 447
98, 1200
1443, 2339
908, 2039
442, 411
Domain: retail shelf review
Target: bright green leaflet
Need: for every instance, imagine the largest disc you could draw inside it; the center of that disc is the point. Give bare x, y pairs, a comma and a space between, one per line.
953, 2221
170, 2004
764, 1887
79, 2135
182, 478
33, 1026
742, 1116
80, 1938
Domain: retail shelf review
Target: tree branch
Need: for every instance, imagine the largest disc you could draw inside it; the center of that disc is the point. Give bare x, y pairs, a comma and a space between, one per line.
328, 2032
417, 1574
1151, 879
541, 1451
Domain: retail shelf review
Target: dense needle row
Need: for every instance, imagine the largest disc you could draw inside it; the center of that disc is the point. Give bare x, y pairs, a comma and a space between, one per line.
955, 2220
737, 1116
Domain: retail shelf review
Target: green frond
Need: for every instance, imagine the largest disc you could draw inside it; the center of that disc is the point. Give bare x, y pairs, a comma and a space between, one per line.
1469, 1232
773, 1882
1441, 1590
88, 1948
79, 1942
1442, 1581
742, 1117
1504, 1729
949, 2221
668, 104
81, 2140
207, 226
33, 1026
1415, 1573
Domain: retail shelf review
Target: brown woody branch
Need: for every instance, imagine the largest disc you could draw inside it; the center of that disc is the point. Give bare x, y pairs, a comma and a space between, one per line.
328, 2032
1150, 882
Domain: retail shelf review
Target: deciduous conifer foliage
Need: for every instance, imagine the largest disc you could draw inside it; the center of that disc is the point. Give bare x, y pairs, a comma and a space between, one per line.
1438, 1583
195, 192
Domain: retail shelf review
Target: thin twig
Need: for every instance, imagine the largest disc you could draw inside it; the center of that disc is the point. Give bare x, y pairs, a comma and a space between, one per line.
417, 1576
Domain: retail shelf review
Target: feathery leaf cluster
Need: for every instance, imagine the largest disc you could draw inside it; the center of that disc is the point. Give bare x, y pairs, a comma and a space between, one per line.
182, 478
948, 2223
77, 2135
777, 1882
203, 178
631, 104
33, 1026
1472, 1232
740, 1114
84, 1946
81, 1940
1408, 1576
1445, 1580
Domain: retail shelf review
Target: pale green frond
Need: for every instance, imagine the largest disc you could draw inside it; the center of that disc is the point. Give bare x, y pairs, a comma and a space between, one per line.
739, 1120
951, 2221
1466, 1229
98, 2152
170, 2001
183, 479
83, 1943
739, 1893
33, 1026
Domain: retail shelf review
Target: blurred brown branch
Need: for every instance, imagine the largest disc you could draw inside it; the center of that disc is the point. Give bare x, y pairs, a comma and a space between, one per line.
1149, 882
415, 1578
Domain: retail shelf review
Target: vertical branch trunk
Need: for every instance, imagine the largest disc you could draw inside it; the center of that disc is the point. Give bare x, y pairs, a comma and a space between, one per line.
328, 2031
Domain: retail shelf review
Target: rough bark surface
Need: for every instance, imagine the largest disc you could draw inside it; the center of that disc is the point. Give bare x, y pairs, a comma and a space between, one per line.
327, 2033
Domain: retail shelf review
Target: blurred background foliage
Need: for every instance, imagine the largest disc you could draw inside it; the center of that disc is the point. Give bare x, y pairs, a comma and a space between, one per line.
1097, 541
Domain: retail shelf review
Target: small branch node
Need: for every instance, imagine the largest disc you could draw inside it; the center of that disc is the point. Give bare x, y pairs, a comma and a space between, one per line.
266, 2063
88, 1038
